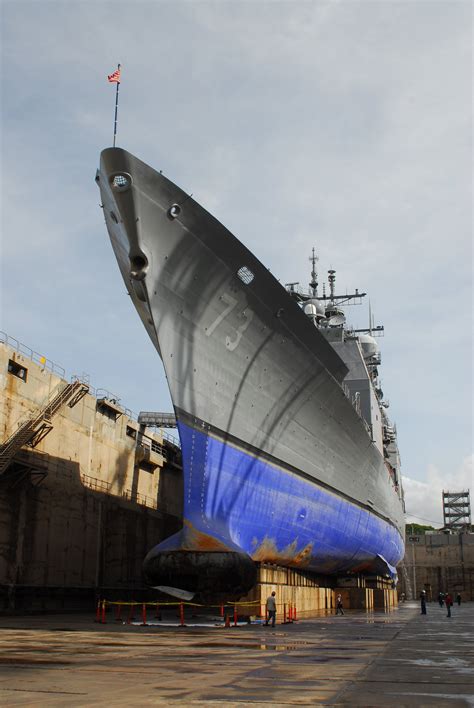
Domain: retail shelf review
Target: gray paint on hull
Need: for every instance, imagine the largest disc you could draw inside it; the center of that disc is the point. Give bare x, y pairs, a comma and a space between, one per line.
244, 358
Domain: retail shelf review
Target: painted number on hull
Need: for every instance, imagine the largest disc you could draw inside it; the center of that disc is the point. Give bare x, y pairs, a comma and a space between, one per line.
248, 314
231, 303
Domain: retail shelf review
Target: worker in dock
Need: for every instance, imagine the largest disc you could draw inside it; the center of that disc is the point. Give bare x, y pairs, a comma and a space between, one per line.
449, 603
458, 599
339, 605
271, 609
423, 602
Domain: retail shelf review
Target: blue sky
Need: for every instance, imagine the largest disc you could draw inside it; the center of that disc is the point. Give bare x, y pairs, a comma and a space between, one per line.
342, 125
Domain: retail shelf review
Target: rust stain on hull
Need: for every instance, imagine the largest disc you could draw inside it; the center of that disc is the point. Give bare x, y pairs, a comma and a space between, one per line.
194, 540
267, 552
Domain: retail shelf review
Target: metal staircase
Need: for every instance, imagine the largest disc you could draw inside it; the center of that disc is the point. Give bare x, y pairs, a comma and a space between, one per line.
32, 430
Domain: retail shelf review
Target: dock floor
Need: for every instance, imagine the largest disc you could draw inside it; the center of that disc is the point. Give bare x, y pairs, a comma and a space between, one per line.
400, 658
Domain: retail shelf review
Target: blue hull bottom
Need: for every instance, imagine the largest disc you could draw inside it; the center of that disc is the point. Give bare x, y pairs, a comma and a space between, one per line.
238, 504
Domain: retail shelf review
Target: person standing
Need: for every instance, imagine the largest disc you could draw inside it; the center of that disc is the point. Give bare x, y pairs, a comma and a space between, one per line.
449, 603
441, 599
423, 602
339, 605
271, 609
458, 599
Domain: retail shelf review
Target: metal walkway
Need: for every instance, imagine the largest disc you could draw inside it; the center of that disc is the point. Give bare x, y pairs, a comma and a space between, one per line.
32, 430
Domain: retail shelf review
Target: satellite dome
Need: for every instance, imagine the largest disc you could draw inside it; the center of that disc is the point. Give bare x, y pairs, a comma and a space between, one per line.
310, 309
335, 316
314, 308
368, 345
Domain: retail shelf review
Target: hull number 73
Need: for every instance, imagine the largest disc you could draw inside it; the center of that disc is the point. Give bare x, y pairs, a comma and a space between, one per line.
231, 303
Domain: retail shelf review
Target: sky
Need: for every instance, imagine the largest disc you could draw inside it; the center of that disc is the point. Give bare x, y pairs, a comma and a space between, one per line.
343, 125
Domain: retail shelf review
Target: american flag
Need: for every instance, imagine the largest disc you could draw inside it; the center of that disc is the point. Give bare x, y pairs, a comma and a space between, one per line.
115, 77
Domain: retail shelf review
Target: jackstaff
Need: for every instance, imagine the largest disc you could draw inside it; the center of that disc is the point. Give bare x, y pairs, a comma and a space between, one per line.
115, 79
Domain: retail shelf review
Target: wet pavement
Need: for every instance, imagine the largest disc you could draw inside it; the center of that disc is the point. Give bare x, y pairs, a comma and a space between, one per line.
377, 659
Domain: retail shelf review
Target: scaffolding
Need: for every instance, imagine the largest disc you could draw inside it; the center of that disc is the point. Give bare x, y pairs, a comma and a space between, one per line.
457, 511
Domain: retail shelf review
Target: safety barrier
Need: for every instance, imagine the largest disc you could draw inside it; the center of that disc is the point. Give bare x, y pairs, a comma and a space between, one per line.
227, 611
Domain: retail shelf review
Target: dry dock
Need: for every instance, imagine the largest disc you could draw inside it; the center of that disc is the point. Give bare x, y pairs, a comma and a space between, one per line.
397, 658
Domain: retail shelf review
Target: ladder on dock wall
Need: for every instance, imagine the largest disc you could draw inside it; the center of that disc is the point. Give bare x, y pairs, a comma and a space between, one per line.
32, 430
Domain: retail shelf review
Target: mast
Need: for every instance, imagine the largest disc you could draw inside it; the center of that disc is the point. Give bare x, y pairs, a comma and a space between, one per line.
331, 281
314, 274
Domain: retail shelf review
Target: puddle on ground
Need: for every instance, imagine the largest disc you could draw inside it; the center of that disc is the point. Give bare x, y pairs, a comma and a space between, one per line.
456, 664
28, 660
264, 646
282, 647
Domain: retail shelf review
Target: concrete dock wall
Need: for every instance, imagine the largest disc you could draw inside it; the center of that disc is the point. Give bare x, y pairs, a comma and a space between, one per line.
111, 491
439, 563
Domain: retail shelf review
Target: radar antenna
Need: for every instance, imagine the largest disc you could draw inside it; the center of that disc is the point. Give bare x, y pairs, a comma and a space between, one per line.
325, 299
371, 329
314, 274
331, 280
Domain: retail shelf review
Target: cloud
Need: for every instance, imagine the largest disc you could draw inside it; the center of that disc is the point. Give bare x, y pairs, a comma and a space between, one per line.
424, 499
345, 126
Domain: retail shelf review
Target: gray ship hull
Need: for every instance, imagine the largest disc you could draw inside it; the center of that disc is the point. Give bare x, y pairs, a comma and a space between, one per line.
242, 361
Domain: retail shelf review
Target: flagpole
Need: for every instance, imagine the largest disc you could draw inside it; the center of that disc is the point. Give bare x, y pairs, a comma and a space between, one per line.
116, 106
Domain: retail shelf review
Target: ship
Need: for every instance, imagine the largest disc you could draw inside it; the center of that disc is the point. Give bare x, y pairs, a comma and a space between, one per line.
288, 453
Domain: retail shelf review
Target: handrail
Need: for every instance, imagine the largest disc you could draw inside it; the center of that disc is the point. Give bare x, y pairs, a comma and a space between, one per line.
140, 499
97, 485
61, 372
26, 427
32, 354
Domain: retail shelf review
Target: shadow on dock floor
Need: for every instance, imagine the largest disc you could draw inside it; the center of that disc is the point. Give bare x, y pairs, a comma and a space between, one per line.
400, 658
